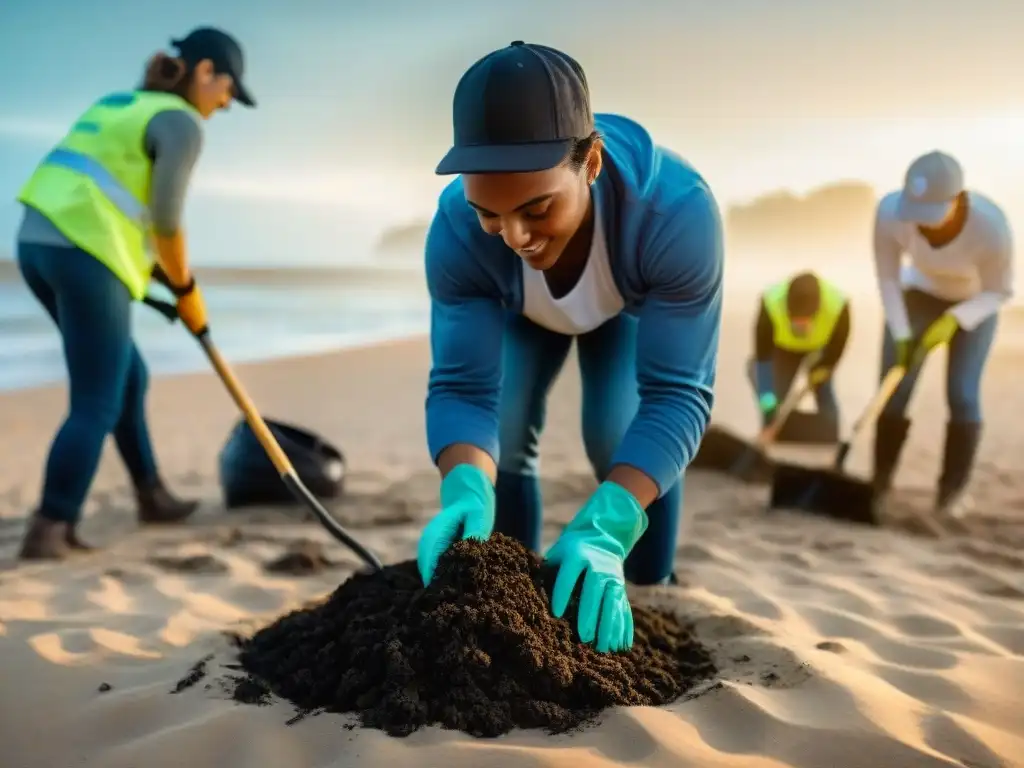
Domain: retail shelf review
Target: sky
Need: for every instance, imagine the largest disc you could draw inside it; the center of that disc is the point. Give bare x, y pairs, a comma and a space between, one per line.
355, 98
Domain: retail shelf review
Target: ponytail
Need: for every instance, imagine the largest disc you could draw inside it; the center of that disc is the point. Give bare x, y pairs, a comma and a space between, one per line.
166, 74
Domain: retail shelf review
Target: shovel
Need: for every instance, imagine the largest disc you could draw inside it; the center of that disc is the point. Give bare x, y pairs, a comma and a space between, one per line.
277, 456
830, 492
722, 451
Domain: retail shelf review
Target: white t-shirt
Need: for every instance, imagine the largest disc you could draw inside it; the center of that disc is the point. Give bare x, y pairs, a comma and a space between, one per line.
975, 270
594, 299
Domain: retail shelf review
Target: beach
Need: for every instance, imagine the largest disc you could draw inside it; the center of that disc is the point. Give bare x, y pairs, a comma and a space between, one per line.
836, 645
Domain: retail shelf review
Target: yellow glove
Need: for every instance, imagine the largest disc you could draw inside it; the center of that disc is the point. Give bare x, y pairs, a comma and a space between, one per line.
191, 307
819, 375
938, 333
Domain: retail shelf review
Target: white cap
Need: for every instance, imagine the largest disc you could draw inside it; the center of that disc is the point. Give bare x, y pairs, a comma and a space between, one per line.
932, 183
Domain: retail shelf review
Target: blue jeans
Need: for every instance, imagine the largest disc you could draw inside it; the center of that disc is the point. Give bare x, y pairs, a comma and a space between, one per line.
533, 357
968, 353
107, 376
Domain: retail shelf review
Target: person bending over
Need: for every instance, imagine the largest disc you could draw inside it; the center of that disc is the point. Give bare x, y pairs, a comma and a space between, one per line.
564, 227
944, 262
805, 315
107, 195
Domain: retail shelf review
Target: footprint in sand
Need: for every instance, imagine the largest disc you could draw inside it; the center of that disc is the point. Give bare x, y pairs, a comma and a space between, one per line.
194, 564
922, 625
831, 646
304, 558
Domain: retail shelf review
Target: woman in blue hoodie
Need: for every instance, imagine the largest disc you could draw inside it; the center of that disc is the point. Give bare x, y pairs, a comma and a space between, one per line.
564, 226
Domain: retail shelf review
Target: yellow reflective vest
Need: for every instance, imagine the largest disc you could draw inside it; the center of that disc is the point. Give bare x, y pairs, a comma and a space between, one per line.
822, 325
94, 185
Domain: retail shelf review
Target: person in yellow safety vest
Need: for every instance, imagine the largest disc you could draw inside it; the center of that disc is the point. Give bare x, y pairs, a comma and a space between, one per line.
800, 316
96, 208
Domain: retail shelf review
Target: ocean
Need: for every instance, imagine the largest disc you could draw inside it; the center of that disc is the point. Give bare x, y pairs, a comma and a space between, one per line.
254, 314
263, 313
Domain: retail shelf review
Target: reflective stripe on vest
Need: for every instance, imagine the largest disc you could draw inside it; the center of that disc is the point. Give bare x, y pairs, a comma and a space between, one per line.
822, 324
94, 185
122, 199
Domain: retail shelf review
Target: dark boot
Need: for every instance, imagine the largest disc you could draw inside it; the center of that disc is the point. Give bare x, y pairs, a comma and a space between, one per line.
74, 543
962, 440
157, 505
45, 539
890, 435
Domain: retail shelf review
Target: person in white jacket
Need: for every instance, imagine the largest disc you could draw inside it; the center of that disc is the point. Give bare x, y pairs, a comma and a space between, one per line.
944, 261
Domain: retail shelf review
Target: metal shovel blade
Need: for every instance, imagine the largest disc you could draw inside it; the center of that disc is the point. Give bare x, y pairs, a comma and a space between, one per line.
823, 492
723, 451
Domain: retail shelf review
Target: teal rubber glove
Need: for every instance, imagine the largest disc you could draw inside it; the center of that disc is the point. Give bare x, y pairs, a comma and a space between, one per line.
596, 543
767, 404
467, 502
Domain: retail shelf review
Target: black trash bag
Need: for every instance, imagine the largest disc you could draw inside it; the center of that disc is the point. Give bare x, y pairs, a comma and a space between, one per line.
248, 478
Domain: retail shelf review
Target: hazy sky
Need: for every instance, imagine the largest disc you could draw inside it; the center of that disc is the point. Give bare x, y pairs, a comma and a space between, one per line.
355, 97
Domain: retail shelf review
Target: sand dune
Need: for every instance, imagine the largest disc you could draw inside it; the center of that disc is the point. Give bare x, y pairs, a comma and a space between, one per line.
837, 646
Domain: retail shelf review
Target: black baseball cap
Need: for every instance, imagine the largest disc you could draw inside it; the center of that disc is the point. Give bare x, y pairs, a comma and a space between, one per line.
518, 110
223, 51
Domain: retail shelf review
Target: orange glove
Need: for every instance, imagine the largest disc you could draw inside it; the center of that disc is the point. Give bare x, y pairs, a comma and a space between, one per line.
191, 307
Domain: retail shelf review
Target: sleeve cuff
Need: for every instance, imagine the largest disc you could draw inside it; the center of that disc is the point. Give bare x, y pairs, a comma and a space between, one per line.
450, 423
648, 456
973, 312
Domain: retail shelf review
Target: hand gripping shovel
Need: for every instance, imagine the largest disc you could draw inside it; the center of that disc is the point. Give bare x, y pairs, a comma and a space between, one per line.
277, 456
831, 493
767, 436
722, 451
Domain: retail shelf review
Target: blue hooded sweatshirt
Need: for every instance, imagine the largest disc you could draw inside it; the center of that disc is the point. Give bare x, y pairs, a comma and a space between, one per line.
664, 235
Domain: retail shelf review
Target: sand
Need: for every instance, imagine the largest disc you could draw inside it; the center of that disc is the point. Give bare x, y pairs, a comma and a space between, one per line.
835, 646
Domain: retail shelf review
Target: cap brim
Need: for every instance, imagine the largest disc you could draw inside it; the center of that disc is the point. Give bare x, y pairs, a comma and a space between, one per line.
504, 158
921, 213
242, 95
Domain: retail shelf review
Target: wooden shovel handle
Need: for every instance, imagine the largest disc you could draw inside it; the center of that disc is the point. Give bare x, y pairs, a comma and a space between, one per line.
885, 390
275, 453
